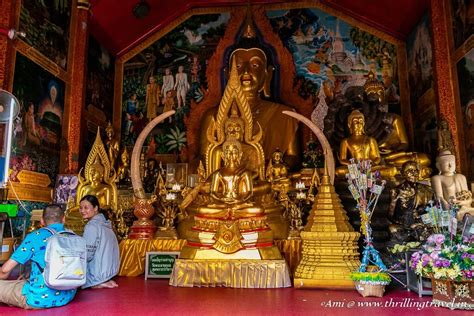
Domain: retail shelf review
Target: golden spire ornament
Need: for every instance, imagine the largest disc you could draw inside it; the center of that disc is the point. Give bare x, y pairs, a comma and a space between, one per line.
330, 250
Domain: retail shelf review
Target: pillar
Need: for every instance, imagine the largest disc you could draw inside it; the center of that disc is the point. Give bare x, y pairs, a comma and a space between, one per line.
444, 77
7, 22
75, 93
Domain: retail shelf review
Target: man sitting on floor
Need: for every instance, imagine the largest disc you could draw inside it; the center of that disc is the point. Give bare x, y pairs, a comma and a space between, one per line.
33, 293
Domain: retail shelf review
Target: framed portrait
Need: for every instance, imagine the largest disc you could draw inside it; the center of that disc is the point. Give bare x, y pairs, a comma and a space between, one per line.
176, 173
66, 187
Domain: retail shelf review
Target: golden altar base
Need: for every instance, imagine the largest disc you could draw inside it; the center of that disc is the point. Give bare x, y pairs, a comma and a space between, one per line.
133, 251
231, 273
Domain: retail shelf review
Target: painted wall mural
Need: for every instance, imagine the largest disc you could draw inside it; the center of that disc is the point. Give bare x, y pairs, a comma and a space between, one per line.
465, 68
46, 24
37, 130
463, 20
420, 78
170, 74
330, 52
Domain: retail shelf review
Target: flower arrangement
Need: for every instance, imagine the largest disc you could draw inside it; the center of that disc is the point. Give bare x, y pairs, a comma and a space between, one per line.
379, 278
445, 258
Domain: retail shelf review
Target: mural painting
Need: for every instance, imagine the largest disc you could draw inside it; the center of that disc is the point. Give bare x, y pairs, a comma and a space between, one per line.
465, 69
420, 78
37, 130
46, 24
463, 20
332, 54
99, 92
169, 74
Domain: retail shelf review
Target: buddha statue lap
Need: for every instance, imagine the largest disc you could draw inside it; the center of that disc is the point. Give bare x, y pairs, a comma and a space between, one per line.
360, 146
451, 187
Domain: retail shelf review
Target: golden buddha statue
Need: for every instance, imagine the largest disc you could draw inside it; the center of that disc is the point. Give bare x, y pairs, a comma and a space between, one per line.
277, 172
112, 144
279, 130
214, 197
234, 129
393, 147
231, 187
98, 180
359, 146
123, 171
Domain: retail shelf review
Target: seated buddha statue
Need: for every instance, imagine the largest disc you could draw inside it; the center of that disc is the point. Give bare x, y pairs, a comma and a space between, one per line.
279, 130
231, 187
98, 180
451, 187
277, 170
234, 129
393, 148
360, 146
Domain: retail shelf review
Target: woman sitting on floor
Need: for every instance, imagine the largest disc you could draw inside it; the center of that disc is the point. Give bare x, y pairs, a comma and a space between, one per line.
102, 246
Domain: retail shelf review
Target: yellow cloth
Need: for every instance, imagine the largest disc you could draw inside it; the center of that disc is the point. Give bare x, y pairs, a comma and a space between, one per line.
133, 251
230, 273
291, 251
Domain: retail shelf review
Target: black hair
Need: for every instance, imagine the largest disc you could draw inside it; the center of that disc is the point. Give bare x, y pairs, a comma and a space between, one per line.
92, 199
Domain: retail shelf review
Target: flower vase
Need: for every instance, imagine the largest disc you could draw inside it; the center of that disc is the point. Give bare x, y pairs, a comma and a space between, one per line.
453, 294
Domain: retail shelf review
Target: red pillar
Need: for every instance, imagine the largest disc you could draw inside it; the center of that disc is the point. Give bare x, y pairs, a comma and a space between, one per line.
444, 76
75, 93
7, 22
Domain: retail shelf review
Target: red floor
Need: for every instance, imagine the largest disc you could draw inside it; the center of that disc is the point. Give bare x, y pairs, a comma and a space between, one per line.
135, 296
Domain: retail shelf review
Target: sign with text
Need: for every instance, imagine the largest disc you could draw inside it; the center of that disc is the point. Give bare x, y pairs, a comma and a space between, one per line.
159, 264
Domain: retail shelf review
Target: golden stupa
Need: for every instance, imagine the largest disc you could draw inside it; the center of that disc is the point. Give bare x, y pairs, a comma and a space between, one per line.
330, 251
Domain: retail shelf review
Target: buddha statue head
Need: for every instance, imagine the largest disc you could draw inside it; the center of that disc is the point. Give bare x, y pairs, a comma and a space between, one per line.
232, 153
446, 163
234, 126
96, 172
356, 123
410, 171
277, 156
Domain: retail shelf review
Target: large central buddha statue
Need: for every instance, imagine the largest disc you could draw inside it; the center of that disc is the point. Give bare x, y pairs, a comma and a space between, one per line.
255, 74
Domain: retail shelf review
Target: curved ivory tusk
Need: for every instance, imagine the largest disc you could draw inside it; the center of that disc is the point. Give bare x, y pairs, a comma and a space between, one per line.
137, 149
322, 139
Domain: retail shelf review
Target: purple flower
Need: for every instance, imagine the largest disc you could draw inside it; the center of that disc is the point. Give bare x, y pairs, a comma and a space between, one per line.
434, 255
438, 263
464, 255
425, 259
467, 274
446, 263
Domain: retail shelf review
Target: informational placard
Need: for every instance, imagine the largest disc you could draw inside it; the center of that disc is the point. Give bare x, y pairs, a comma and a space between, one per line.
159, 264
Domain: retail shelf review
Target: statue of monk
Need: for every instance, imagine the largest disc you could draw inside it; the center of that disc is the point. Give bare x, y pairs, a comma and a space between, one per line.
361, 147
408, 202
231, 187
451, 187
279, 130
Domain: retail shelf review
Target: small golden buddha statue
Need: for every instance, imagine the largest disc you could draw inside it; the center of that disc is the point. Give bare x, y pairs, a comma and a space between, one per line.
234, 129
445, 139
277, 172
123, 172
112, 144
231, 187
98, 180
279, 130
361, 147
393, 147
451, 187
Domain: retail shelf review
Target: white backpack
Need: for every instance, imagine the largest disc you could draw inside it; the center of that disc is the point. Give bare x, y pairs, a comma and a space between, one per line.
66, 261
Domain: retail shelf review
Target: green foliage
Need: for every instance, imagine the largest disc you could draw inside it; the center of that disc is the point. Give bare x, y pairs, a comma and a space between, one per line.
371, 277
176, 140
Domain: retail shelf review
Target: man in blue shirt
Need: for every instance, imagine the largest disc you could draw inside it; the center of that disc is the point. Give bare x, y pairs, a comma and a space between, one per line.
33, 293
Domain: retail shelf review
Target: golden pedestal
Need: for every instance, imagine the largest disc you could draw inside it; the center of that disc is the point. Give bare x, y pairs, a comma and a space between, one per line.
230, 273
330, 250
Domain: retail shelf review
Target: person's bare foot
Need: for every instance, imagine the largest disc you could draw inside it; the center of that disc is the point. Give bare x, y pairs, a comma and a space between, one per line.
106, 285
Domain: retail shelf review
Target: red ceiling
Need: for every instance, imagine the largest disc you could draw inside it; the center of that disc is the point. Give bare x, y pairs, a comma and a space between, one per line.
114, 25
